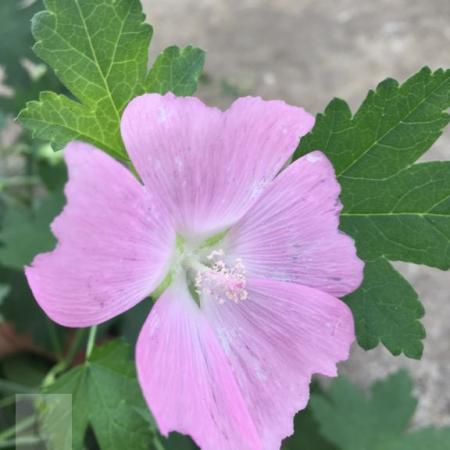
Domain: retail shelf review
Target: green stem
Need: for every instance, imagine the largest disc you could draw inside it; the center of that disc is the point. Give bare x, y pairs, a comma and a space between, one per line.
54, 372
157, 443
91, 341
67, 361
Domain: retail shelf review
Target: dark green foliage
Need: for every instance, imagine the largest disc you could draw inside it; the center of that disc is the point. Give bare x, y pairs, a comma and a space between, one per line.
394, 209
107, 397
354, 421
15, 47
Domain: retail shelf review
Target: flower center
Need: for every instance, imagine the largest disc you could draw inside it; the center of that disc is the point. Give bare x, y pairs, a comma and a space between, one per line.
207, 274
220, 280
217, 279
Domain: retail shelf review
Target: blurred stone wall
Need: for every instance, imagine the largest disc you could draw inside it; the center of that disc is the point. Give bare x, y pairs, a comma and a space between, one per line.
306, 52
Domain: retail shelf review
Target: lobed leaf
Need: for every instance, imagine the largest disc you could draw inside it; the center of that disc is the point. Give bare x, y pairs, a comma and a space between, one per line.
394, 209
354, 421
386, 309
176, 70
429, 438
98, 49
107, 397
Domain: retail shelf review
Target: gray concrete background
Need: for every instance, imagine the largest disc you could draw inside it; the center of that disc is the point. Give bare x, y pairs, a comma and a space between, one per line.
306, 52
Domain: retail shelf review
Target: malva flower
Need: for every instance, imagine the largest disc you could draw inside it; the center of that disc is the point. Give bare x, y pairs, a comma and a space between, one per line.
249, 260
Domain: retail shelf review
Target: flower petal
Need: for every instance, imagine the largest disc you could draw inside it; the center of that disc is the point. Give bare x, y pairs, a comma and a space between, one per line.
207, 165
291, 233
186, 379
113, 245
275, 340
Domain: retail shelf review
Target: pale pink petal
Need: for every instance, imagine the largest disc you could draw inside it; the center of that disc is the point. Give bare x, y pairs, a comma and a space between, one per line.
275, 340
291, 233
186, 379
113, 244
209, 166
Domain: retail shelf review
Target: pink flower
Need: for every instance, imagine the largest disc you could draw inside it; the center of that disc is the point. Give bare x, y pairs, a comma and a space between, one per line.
255, 262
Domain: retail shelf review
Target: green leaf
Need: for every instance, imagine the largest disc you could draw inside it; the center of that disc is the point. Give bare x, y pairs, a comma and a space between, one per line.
405, 217
98, 49
176, 70
386, 308
427, 439
107, 397
177, 441
354, 421
26, 233
54, 417
395, 210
